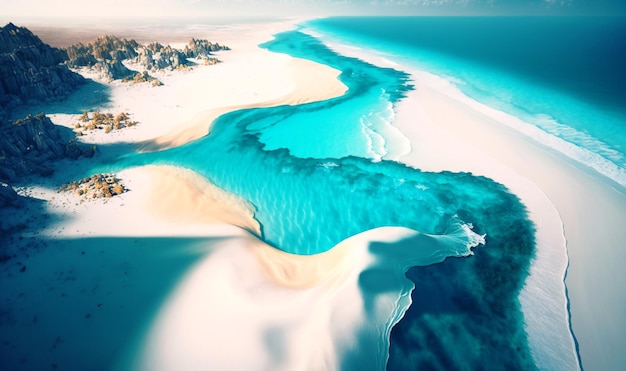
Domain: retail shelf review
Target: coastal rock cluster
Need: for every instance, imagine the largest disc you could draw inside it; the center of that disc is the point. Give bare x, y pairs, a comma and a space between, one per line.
102, 121
106, 54
31, 71
155, 56
96, 186
202, 49
29, 146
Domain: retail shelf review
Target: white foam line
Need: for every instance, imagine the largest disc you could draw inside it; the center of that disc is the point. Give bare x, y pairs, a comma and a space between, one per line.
579, 154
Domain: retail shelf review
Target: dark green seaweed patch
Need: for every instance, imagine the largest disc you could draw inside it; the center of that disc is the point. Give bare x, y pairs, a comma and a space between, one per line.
465, 312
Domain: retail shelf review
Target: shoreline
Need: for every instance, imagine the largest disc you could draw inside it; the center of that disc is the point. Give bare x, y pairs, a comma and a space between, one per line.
304, 90
249, 77
563, 197
190, 100
452, 137
448, 134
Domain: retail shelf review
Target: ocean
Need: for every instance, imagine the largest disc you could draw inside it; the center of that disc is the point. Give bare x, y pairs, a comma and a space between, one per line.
322, 172
563, 75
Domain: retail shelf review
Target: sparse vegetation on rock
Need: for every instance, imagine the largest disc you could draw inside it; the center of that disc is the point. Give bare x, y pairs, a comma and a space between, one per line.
143, 77
102, 121
96, 186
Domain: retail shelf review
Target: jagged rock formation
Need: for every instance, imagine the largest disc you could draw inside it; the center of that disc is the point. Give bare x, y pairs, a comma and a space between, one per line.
203, 49
106, 54
157, 56
113, 70
30, 71
29, 146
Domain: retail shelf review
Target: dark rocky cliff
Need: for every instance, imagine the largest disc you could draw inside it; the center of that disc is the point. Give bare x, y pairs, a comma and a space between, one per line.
8, 197
29, 146
31, 71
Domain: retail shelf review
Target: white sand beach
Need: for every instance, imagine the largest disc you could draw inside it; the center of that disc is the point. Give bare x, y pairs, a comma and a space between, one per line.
162, 201
180, 111
575, 211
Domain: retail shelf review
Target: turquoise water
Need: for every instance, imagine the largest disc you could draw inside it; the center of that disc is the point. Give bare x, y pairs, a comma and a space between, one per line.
317, 177
351, 122
564, 75
308, 168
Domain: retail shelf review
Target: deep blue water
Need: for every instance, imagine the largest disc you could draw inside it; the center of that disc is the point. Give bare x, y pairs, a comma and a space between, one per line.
564, 75
314, 179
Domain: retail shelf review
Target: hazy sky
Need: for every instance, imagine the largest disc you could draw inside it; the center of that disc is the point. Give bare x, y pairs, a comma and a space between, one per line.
50, 9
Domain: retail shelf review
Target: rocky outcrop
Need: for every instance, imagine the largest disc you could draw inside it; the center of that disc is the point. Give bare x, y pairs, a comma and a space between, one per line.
102, 121
8, 196
203, 49
113, 70
106, 54
96, 186
30, 71
30, 146
143, 77
109, 48
102, 48
157, 56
